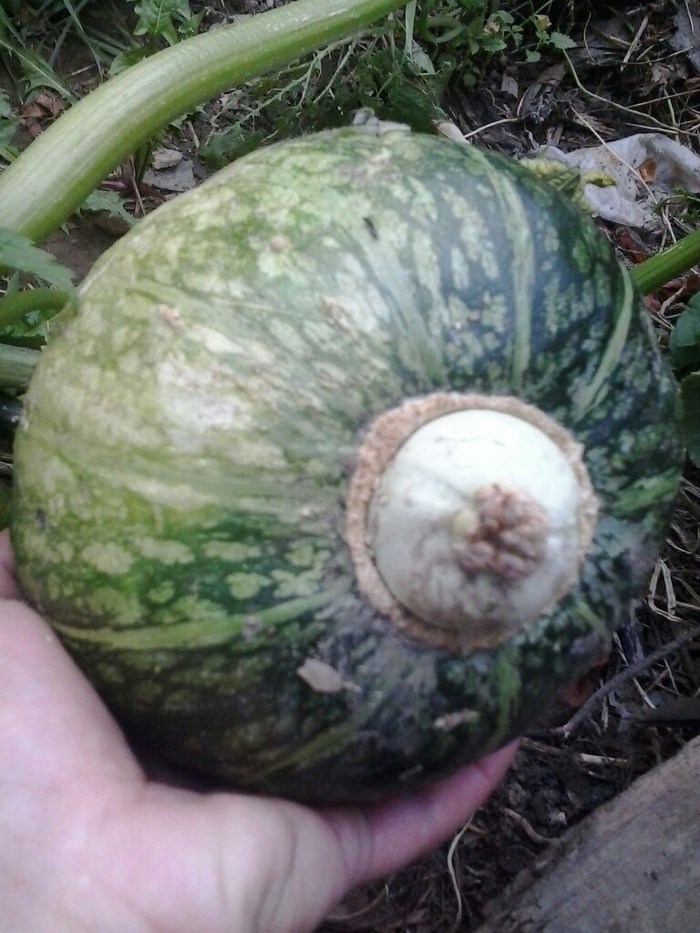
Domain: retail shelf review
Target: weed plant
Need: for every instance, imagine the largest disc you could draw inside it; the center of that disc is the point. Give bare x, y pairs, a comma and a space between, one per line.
399, 69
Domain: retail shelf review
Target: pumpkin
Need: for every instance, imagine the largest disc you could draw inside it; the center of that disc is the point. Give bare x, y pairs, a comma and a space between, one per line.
348, 460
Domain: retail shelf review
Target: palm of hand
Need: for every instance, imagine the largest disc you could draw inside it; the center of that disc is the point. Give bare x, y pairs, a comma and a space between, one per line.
87, 842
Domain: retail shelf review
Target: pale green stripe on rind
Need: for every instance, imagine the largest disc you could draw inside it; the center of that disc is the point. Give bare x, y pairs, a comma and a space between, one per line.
518, 230
206, 632
522, 273
586, 397
646, 492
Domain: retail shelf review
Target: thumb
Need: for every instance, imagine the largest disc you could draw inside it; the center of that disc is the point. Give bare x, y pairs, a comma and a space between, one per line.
52, 722
381, 840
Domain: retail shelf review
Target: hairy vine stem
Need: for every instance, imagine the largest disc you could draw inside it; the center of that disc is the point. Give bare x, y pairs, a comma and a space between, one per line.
52, 178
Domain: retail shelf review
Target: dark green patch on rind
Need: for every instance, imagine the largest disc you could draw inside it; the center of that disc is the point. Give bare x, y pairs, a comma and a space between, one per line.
183, 462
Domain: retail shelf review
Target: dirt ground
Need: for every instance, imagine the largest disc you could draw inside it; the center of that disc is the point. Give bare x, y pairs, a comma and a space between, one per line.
629, 73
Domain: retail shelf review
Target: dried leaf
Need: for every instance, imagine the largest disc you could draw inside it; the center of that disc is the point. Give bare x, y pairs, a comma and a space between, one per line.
321, 676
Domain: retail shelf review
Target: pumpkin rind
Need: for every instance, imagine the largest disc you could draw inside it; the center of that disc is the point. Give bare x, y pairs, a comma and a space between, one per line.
188, 438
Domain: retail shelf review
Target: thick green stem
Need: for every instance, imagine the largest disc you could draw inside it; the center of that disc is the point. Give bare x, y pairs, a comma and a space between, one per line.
52, 178
14, 307
16, 365
666, 265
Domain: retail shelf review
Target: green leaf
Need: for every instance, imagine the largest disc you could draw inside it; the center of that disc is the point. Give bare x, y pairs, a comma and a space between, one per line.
37, 71
234, 142
157, 18
127, 58
190, 27
8, 125
18, 252
690, 397
561, 41
25, 313
492, 44
108, 202
5, 107
684, 343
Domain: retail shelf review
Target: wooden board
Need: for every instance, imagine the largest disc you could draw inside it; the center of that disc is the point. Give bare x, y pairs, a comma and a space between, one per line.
632, 865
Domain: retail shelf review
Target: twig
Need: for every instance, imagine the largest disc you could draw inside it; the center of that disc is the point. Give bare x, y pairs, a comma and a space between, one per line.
527, 827
635, 42
488, 126
453, 876
630, 673
662, 127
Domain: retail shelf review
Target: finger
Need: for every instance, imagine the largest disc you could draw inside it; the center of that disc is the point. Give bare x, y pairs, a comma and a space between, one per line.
318, 856
8, 587
53, 726
398, 832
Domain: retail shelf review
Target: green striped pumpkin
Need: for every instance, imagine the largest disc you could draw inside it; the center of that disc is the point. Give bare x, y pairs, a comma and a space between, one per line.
191, 435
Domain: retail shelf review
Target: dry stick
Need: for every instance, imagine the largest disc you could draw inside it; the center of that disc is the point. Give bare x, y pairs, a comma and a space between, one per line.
662, 127
618, 680
635, 41
453, 876
527, 828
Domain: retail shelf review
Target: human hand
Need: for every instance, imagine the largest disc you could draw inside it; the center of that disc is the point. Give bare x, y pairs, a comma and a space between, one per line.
88, 843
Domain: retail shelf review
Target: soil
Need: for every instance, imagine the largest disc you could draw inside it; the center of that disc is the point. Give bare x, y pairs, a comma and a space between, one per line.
625, 76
